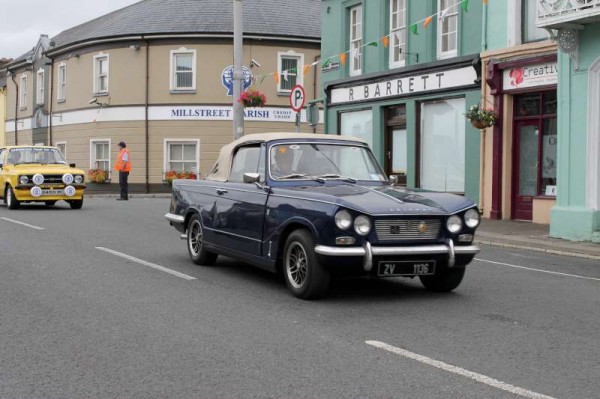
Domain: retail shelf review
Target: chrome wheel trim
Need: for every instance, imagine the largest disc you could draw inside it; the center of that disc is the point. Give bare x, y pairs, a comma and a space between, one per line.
9, 198
296, 263
195, 237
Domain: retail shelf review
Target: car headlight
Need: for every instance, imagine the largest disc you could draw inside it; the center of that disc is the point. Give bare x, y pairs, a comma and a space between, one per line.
78, 179
343, 220
362, 225
67, 178
472, 218
38, 179
23, 179
454, 224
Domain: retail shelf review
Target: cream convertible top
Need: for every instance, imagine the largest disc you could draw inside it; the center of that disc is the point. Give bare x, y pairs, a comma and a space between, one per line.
220, 171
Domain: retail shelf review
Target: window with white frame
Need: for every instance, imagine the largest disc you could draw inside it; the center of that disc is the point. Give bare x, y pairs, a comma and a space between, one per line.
101, 64
290, 67
62, 147
397, 33
182, 155
356, 40
23, 92
39, 92
62, 82
183, 70
531, 32
100, 154
447, 33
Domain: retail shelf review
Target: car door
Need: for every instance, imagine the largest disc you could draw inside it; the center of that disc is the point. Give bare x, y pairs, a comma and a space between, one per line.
239, 219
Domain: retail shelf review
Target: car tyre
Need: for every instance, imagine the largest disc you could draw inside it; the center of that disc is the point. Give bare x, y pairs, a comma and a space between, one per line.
195, 243
303, 272
445, 280
75, 204
11, 201
49, 203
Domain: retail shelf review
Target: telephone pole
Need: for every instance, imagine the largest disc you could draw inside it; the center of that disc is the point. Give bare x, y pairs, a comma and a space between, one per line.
238, 74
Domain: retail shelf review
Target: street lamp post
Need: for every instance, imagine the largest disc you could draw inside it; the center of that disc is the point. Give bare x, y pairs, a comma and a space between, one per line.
238, 74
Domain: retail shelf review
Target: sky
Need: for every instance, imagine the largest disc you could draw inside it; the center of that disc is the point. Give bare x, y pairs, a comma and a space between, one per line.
23, 21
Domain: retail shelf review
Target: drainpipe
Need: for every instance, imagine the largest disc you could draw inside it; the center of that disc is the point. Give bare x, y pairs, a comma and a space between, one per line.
51, 104
316, 70
484, 25
12, 76
146, 125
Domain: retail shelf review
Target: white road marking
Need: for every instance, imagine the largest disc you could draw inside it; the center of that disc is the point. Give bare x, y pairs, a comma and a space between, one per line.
460, 371
537, 270
23, 224
149, 264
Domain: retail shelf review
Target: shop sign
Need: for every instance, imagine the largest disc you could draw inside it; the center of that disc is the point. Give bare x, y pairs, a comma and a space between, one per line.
530, 76
221, 113
405, 86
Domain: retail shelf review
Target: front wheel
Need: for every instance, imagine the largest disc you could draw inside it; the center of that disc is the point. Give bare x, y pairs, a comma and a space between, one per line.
76, 204
11, 201
304, 275
195, 243
444, 280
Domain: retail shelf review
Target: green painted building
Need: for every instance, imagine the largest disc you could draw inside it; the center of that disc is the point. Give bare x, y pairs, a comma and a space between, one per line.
401, 74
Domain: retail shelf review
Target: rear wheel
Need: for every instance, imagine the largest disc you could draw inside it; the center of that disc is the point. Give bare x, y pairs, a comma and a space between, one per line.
444, 280
304, 274
11, 201
195, 243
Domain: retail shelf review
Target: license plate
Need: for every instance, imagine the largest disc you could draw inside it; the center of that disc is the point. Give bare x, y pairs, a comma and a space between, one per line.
53, 192
406, 268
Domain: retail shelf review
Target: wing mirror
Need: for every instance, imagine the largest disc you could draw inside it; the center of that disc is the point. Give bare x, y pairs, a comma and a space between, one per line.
72, 165
251, 177
393, 179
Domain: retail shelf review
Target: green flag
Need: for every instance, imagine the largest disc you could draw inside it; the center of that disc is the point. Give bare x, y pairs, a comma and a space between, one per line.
326, 62
414, 29
374, 44
465, 5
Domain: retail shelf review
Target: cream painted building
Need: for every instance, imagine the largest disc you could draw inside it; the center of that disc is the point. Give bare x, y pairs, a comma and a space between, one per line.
160, 80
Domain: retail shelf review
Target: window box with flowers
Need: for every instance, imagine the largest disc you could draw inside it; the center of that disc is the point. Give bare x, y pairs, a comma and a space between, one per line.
171, 175
253, 98
481, 118
98, 176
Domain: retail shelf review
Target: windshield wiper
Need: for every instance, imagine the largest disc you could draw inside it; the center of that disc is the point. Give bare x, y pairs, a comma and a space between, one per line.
292, 176
322, 178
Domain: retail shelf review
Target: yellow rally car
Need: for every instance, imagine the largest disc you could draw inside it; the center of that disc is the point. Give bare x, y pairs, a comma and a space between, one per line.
39, 174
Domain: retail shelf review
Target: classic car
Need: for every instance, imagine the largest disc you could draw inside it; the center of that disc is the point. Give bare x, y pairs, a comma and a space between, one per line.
315, 205
39, 174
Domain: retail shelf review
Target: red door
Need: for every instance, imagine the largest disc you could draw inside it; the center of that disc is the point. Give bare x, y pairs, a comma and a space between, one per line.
525, 179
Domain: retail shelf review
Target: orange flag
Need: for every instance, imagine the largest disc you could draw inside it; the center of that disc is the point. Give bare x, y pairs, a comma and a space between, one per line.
343, 58
427, 21
305, 69
485, 1
386, 41
276, 77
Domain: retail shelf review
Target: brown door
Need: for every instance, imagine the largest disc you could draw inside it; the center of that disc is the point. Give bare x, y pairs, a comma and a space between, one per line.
396, 143
525, 168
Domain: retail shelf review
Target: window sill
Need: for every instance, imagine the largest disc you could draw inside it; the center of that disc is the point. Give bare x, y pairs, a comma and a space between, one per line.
193, 91
102, 94
544, 197
22, 108
61, 100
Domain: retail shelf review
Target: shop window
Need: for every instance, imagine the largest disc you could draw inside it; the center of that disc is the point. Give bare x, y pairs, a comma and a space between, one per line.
397, 33
182, 155
290, 66
447, 40
183, 70
39, 93
356, 40
101, 74
442, 145
100, 154
357, 124
62, 82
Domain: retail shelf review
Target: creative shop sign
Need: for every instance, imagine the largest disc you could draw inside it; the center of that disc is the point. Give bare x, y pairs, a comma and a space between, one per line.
530, 76
221, 113
406, 86
227, 78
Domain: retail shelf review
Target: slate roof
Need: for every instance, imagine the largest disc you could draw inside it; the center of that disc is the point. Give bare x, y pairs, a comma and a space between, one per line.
279, 18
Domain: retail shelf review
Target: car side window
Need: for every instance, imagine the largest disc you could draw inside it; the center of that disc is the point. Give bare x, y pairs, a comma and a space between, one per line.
247, 160
2, 154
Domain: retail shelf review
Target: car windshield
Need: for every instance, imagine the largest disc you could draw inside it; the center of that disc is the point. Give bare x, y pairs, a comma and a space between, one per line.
35, 155
291, 161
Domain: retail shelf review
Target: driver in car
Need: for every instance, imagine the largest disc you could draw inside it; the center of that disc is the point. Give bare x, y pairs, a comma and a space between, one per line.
282, 160
15, 157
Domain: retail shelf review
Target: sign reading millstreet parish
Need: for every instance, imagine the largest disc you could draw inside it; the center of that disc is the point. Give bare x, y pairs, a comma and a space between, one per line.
221, 113
405, 86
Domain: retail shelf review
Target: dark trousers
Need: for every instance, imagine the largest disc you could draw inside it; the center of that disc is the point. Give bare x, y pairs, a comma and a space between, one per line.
123, 176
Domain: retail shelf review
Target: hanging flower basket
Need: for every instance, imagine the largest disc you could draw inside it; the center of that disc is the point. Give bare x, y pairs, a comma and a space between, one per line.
253, 98
481, 118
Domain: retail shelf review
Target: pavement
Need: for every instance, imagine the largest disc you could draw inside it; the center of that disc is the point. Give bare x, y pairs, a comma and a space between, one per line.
499, 233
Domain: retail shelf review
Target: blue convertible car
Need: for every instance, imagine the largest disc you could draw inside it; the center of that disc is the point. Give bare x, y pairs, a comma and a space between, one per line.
310, 205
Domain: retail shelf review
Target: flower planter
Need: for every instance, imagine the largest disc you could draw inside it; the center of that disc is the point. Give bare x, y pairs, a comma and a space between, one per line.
477, 124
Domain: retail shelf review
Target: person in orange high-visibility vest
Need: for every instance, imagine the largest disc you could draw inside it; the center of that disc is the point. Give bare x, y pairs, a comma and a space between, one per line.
123, 166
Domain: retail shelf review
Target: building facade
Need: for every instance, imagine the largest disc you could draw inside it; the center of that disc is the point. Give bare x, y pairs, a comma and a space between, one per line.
519, 173
402, 74
3, 61
161, 81
575, 26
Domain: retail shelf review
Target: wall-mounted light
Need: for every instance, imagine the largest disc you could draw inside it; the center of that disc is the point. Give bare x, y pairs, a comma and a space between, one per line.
95, 100
135, 47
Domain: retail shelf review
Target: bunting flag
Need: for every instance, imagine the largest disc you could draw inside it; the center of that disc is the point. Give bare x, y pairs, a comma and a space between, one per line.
285, 75
386, 41
326, 63
305, 69
373, 44
414, 29
343, 58
465, 5
276, 78
427, 21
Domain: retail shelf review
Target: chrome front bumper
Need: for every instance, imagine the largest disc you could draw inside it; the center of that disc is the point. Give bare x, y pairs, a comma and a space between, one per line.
171, 217
368, 251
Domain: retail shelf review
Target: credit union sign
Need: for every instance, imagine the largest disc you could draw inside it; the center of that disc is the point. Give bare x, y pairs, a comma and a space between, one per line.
405, 86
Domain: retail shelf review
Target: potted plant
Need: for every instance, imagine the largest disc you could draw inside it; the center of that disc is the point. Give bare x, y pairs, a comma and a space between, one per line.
98, 176
481, 118
171, 175
253, 98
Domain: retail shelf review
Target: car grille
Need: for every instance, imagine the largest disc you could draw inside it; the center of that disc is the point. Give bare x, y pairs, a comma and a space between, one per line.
408, 229
50, 179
